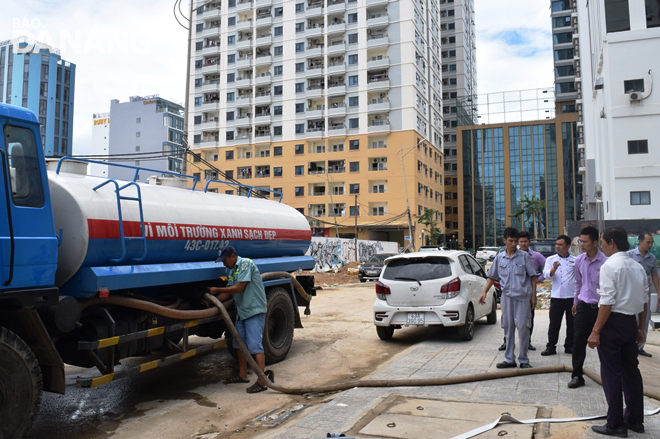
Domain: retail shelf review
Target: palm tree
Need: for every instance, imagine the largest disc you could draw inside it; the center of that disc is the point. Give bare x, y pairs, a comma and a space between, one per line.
531, 207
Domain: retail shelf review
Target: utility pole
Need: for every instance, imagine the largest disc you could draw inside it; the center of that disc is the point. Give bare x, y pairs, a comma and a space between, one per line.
405, 188
184, 164
357, 256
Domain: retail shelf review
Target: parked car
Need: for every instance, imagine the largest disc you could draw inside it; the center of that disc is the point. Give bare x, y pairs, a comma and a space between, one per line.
371, 269
544, 246
487, 253
432, 288
431, 248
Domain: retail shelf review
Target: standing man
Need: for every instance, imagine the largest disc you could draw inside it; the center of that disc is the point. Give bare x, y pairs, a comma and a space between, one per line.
618, 331
515, 271
245, 285
539, 262
585, 299
561, 269
642, 254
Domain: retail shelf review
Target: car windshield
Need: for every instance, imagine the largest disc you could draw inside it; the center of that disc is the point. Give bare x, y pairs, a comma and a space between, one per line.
543, 248
418, 268
483, 249
378, 259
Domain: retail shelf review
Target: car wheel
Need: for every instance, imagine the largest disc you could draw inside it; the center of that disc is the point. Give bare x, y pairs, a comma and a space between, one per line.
492, 317
385, 332
362, 280
466, 331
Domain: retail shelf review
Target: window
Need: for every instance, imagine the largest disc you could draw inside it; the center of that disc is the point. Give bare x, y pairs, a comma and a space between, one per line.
564, 37
277, 90
564, 71
638, 146
230, 96
231, 39
353, 80
300, 170
569, 108
277, 130
633, 85
231, 21
300, 108
231, 77
352, 18
353, 101
278, 50
300, 88
300, 7
229, 175
277, 110
617, 15
561, 22
352, 59
354, 123
26, 187
300, 149
277, 151
354, 210
652, 14
565, 87
563, 54
230, 115
300, 191
231, 59
640, 198
561, 5
354, 166
198, 120
277, 172
352, 38
300, 128
354, 145
229, 135
279, 12
300, 27
229, 155
278, 31
300, 67
138, 120
277, 70
198, 82
354, 188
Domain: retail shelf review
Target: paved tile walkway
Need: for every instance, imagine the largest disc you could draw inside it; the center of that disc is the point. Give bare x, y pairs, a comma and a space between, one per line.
445, 356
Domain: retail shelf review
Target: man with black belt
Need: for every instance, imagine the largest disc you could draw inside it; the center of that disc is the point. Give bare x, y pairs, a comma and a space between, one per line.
585, 299
618, 331
648, 261
561, 269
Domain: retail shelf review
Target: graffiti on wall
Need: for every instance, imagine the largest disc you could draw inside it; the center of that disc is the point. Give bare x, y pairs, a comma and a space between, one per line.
332, 254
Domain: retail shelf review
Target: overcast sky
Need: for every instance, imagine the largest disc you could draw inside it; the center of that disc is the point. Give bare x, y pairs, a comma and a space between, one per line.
124, 48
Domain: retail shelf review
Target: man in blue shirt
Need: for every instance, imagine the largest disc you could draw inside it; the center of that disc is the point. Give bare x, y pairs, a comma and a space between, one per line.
245, 285
515, 271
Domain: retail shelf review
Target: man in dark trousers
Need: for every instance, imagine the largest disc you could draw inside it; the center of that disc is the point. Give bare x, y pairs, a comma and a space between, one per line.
623, 291
515, 271
585, 299
560, 268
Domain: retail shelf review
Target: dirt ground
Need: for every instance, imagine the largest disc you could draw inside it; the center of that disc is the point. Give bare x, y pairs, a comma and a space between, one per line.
341, 277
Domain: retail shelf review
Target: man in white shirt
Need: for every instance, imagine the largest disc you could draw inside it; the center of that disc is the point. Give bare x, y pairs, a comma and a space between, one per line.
561, 269
624, 290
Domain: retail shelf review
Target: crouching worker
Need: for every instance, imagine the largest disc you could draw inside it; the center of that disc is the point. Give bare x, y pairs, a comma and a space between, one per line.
245, 286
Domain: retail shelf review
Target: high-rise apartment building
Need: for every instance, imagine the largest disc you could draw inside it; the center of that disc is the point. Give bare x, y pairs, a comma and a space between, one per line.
323, 100
34, 75
563, 52
618, 45
146, 131
459, 81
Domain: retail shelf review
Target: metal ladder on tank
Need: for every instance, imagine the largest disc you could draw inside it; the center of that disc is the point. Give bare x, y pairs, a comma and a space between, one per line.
122, 236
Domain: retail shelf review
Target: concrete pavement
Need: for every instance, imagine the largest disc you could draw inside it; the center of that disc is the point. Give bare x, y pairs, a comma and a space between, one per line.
356, 410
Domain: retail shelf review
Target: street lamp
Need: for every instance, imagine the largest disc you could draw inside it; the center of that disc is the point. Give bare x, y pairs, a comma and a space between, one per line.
405, 188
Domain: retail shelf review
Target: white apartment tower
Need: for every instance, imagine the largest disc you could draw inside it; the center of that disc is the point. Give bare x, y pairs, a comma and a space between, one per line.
459, 81
280, 80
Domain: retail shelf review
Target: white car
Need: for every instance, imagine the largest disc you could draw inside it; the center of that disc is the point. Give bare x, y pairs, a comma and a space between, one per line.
431, 248
432, 288
487, 253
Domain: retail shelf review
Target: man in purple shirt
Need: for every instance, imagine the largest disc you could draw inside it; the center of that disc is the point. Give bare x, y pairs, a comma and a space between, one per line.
538, 260
585, 300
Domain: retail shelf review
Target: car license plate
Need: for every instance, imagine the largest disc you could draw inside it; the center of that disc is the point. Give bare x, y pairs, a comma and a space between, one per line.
372, 273
415, 318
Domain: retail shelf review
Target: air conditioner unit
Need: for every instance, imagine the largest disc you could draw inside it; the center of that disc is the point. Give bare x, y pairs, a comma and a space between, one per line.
635, 96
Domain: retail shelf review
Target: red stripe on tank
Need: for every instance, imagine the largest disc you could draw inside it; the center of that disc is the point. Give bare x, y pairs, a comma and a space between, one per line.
109, 229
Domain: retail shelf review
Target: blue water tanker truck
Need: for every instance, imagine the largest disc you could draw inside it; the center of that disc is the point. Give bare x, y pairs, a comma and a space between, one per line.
94, 270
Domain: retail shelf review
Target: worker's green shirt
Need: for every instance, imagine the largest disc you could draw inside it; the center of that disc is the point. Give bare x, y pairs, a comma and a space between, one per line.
252, 300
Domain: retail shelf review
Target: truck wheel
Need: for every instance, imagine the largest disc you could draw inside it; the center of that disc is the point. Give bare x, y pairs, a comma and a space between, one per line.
385, 332
20, 386
492, 317
278, 329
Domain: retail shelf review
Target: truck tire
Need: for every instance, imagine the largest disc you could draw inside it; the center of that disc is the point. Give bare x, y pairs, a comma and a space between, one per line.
278, 328
20, 386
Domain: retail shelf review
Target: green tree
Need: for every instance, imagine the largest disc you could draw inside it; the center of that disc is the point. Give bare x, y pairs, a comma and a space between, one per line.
428, 219
531, 207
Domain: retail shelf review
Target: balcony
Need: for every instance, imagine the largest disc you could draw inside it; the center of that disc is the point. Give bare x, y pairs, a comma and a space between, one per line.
262, 137
316, 168
314, 91
209, 31
262, 118
263, 78
243, 138
314, 10
314, 31
208, 86
338, 129
209, 50
336, 109
244, 173
315, 69
336, 6
244, 100
378, 82
209, 106
244, 120
337, 27
377, 40
207, 125
314, 50
315, 113
244, 43
336, 88
245, 81
266, 39
379, 125
336, 167
263, 98
244, 5
335, 48
243, 25
378, 61
210, 67
380, 104
262, 3
377, 2
313, 133
377, 19
336, 67
243, 62
264, 20
264, 59
210, 13
208, 144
